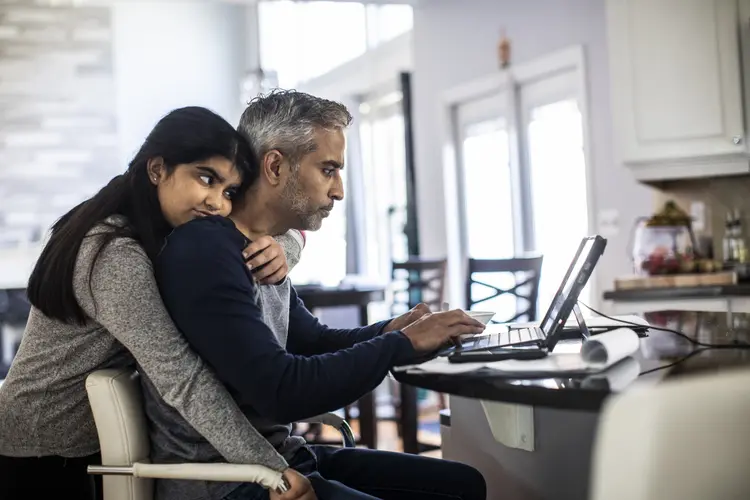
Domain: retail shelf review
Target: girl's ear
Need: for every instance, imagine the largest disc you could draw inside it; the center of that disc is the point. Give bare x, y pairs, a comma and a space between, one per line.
156, 170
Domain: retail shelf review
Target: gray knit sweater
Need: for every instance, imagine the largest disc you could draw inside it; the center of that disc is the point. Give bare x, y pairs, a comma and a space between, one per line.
44, 409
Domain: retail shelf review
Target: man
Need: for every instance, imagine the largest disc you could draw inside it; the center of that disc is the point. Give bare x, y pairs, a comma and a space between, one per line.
278, 361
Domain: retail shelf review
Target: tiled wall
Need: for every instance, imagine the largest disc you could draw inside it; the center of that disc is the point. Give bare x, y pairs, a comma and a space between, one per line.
719, 195
58, 141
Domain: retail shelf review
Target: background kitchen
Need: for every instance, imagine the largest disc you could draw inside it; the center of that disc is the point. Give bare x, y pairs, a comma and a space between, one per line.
484, 129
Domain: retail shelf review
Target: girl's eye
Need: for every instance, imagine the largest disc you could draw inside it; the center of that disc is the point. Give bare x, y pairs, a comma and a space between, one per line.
207, 179
230, 193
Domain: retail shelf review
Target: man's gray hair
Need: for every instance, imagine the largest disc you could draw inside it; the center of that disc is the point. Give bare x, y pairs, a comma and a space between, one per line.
287, 120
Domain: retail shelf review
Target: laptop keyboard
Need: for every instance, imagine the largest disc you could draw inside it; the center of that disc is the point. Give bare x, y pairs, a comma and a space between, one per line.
517, 335
512, 336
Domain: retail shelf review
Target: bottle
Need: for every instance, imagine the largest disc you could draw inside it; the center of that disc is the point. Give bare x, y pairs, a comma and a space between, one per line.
503, 50
727, 247
740, 249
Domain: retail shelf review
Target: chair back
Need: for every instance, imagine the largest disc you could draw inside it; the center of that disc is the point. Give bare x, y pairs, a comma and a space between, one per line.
415, 281
686, 439
116, 402
525, 273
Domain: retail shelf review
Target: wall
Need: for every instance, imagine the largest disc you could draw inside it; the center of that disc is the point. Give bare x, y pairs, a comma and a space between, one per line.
57, 116
173, 54
455, 42
719, 195
81, 87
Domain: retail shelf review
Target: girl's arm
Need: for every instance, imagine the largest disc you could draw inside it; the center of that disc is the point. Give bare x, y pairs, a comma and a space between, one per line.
123, 297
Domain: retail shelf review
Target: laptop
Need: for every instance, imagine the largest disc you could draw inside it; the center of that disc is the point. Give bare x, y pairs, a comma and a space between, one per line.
548, 332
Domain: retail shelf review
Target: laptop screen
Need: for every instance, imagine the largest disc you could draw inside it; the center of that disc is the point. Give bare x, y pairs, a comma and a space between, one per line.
581, 262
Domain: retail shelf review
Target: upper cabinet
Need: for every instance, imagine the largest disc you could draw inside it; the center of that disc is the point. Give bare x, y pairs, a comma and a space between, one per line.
677, 98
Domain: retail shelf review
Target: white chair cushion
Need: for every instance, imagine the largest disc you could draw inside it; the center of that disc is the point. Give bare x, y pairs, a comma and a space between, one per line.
687, 439
116, 402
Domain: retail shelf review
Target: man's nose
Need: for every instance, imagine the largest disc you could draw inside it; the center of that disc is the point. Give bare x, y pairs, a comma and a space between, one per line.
337, 191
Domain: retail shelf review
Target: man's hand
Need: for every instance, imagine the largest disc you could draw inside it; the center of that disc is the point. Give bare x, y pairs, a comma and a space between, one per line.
267, 260
433, 330
299, 488
407, 318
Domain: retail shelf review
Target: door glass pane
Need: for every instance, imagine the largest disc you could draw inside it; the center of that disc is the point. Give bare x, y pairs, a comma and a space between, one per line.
488, 207
558, 190
487, 198
384, 162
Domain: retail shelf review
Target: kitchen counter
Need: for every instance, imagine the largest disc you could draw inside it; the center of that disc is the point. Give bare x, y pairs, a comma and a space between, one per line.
715, 298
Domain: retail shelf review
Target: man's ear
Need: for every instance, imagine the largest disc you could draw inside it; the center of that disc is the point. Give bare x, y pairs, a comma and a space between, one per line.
155, 169
272, 166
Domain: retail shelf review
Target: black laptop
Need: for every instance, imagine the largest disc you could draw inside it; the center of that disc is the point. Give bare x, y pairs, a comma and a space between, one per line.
547, 334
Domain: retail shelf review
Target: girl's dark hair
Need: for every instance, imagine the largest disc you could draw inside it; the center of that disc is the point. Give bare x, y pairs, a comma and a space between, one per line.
184, 135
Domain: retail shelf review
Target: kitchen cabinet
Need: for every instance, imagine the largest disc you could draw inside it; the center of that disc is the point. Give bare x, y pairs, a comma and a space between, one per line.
677, 96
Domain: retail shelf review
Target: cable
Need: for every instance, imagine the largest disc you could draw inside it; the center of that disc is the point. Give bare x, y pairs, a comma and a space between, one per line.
675, 363
735, 345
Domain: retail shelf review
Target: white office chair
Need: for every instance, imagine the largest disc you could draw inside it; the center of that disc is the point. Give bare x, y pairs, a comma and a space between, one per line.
116, 402
687, 439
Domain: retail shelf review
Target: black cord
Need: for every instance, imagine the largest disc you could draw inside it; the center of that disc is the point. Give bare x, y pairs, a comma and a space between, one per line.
675, 363
735, 345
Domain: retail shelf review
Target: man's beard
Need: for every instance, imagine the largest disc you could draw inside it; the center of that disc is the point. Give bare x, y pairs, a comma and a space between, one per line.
299, 204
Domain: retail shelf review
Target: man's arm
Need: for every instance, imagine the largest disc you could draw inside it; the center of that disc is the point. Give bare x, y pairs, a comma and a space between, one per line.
209, 293
308, 336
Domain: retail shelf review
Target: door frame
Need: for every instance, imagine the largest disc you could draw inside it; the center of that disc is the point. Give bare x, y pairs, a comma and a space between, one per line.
505, 82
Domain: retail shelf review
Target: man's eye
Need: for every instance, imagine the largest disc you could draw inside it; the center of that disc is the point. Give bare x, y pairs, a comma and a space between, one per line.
328, 171
207, 179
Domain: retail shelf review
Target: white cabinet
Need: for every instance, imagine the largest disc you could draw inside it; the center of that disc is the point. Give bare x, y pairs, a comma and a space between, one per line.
677, 100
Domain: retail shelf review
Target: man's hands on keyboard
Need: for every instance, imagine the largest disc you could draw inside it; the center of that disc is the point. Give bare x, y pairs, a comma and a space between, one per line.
432, 330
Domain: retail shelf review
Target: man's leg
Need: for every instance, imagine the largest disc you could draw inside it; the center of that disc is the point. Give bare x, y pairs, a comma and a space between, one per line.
324, 490
305, 462
400, 476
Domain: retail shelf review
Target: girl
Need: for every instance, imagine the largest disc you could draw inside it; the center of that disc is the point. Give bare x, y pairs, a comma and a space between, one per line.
95, 304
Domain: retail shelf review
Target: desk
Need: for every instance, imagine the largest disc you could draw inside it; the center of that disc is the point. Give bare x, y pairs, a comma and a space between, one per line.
316, 297
565, 409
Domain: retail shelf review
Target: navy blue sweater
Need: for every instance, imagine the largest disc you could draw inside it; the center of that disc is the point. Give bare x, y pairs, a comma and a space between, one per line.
209, 293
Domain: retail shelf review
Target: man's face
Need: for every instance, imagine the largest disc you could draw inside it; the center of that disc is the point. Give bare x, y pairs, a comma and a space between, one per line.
311, 191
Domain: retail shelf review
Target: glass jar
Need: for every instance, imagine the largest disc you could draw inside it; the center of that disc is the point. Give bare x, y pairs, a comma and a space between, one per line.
663, 249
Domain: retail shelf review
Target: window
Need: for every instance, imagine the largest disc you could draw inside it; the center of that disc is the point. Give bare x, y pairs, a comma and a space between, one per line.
386, 22
488, 229
304, 40
381, 134
323, 260
558, 173
535, 201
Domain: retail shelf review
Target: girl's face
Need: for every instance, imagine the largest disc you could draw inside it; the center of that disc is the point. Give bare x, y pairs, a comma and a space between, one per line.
195, 189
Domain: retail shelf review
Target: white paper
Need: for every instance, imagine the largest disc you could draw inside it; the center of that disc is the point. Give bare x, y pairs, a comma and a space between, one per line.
597, 354
616, 377
554, 363
608, 348
442, 365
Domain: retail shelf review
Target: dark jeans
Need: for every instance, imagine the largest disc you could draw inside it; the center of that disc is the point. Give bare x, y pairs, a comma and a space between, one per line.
363, 474
49, 477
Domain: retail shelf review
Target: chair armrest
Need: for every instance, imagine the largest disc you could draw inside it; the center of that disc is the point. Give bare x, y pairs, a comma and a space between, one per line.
325, 418
335, 421
245, 473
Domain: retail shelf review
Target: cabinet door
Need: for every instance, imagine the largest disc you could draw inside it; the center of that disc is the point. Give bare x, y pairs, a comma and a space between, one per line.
675, 71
